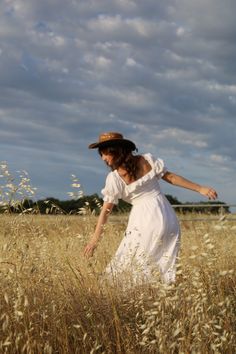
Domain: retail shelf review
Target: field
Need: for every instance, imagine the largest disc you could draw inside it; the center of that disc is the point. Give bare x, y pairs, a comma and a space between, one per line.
53, 301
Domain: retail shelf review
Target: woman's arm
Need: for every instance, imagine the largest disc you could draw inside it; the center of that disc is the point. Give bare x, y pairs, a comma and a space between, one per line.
102, 219
180, 181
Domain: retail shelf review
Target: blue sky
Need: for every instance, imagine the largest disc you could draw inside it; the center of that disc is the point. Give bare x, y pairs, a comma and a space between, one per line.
161, 72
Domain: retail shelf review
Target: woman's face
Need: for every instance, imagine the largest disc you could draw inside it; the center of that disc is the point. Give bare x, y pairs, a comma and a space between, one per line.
106, 157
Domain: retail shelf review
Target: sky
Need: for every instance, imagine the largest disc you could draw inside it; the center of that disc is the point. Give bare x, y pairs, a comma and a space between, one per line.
162, 72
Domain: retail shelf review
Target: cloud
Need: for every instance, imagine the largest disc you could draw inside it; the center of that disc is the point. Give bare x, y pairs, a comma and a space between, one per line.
162, 72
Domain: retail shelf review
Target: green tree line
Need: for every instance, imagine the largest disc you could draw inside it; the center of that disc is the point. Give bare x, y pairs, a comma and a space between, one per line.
92, 203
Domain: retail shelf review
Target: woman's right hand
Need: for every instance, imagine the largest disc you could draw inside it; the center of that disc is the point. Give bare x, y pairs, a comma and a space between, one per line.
90, 248
102, 219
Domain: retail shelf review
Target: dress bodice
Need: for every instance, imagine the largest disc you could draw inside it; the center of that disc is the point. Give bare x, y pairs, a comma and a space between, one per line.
145, 187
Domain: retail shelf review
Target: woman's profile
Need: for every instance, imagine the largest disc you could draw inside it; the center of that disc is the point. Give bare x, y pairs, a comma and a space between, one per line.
152, 237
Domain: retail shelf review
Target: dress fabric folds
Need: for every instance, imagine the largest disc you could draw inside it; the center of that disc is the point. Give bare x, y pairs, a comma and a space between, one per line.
151, 241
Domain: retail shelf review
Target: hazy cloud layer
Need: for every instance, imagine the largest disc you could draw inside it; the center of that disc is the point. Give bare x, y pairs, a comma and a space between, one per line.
162, 72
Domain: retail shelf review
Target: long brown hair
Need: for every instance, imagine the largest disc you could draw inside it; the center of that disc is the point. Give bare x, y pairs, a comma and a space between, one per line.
122, 156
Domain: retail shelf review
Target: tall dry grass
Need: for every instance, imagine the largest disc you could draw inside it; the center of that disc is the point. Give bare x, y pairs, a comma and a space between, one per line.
53, 301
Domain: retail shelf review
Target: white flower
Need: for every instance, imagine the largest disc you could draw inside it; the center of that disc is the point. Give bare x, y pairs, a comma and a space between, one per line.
75, 185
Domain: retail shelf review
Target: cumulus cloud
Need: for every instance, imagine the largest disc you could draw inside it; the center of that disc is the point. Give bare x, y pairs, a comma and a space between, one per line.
162, 72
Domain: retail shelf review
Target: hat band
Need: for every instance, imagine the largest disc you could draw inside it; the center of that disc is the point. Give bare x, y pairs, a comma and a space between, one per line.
105, 137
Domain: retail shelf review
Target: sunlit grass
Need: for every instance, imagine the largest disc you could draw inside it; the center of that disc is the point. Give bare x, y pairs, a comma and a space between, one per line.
52, 299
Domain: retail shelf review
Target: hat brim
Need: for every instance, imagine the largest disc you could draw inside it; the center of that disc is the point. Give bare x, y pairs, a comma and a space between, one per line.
113, 143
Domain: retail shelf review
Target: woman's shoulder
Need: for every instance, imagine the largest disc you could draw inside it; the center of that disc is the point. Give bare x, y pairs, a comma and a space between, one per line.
147, 154
149, 157
111, 175
113, 178
157, 164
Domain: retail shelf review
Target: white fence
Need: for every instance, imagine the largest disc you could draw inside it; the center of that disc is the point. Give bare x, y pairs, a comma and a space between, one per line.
221, 216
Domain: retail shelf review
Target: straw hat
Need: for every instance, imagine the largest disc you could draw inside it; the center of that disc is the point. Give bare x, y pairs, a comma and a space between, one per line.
111, 138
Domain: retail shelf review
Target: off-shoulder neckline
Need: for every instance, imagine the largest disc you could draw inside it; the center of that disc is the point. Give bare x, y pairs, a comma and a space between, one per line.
140, 179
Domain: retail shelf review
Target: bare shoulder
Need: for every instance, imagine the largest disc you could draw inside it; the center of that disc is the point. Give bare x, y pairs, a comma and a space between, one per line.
144, 165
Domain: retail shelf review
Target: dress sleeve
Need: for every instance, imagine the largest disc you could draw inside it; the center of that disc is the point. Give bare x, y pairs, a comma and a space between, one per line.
158, 165
112, 190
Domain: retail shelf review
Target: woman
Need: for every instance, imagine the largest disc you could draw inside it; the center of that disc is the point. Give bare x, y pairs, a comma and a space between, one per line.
151, 240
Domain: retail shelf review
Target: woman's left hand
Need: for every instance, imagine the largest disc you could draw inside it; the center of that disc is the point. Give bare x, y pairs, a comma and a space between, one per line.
208, 192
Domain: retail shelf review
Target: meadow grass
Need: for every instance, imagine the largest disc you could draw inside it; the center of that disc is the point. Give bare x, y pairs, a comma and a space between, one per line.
52, 299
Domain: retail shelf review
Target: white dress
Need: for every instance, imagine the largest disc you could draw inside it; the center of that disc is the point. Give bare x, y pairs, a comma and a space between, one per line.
152, 238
